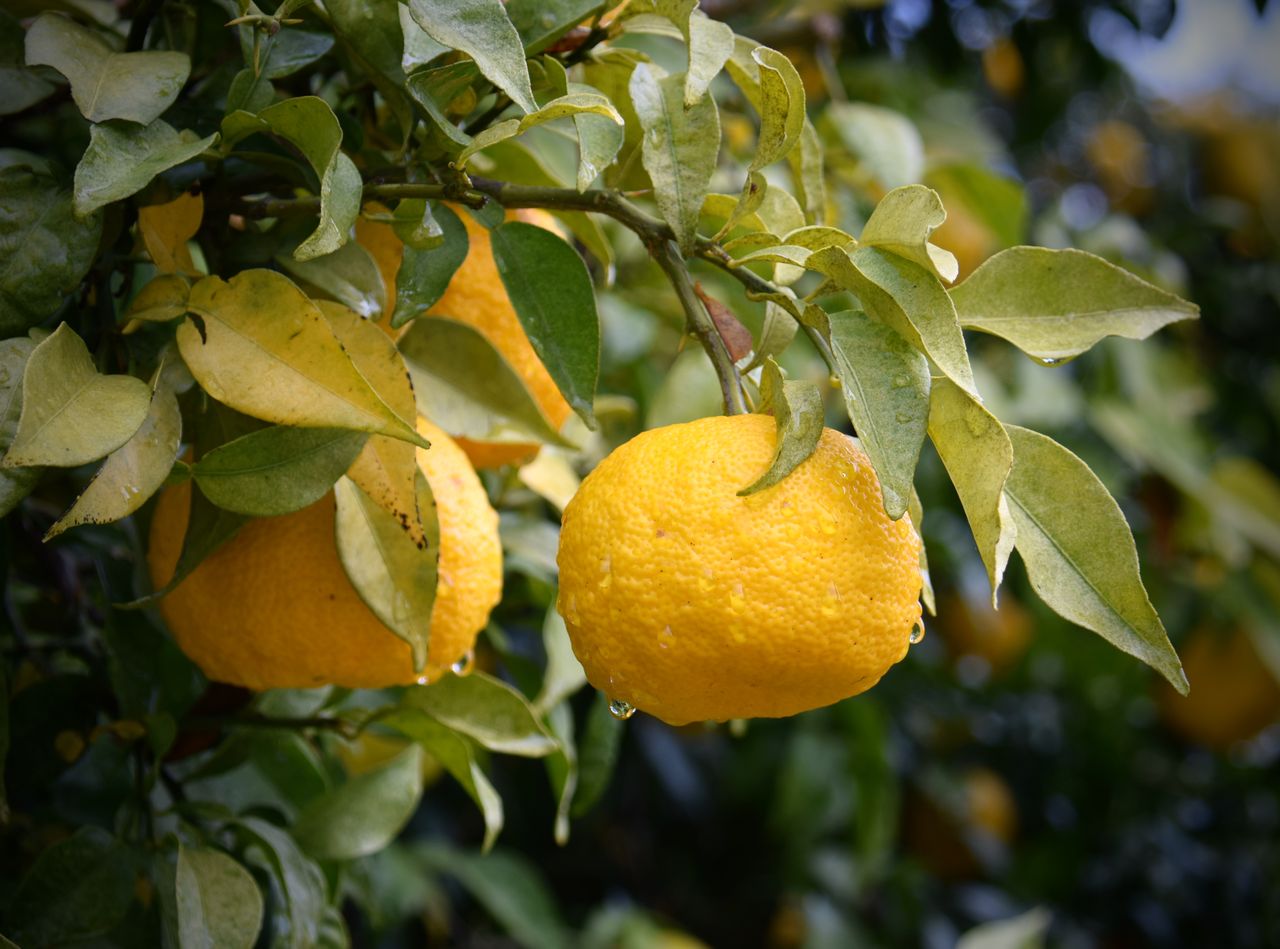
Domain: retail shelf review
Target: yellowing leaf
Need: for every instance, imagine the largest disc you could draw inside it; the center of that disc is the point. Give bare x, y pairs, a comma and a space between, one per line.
798, 418
902, 223
259, 345
166, 228
573, 104
164, 298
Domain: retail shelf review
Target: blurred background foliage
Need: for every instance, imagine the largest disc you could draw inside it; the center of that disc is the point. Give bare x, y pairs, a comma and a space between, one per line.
1013, 768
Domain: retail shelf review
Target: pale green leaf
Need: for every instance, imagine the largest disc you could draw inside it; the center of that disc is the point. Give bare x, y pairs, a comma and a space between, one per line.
901, 224
798, 423
482, 30
976, 451
45, 249
70, 413
541, 22
106, 84
419, 48
414, 222
487, 710
779, 254
219, 904
776, 333
287, 52
349, 275
998, 202
122, 159
278, 469
915, 510
747, 206
551, 292
23, 87
885, 384
363, 815
600, 138
885, 142
566, 106
1079, 552
1026, 931
134, 471
1055, 304
710, 45
564, 675
162, 299
434, 87
781, 107
394, 571
808, 174
680, 148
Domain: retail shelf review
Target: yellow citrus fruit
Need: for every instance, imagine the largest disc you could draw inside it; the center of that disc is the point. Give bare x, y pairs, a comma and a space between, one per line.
476, 296
692, 603
273, 608
1233, 694
1003, 68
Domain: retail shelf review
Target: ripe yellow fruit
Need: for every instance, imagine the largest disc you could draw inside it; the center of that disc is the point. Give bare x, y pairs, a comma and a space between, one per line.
477, 297
692, 603
273, 608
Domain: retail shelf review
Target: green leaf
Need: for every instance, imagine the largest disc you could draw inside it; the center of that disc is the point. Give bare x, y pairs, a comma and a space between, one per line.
106, 84
45, 250
308, 123
419, 48
70, 413
482, 30
781, 107
456, 755
371, 34
278, 469
776, 333
349, 275
1055, 304
363, 815
218, 902
564, 674
680, 148
164, 298
901, 224
487, 710
566, 106
15, 483
597, 755
551, 292
808, 174
798, 416
999, 202
1079, 552
467, 387
297, 883
249, 92
122, 159
885, 384
424, 274
975, 449
23, 87
885, 142
78, 888
286, 52
435, 87
134, 471
915, 511
394, 570
259, 345
710, 45
541, 22
907, 298
599, 139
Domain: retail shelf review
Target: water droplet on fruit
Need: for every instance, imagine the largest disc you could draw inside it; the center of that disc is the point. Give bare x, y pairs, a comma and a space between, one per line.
571, 609
917, 632
666, 637
621, 710
606, 573
464, 665
737, 597
705, 580
828, 523
424, 680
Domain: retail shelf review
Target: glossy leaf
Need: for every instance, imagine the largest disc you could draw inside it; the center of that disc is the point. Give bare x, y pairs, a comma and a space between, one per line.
1055, 304
600, 138
122, 159
482, 30
487, 710
258, 344
424, 274
885, 384
901, 224
976, 451
278, 469
564, 674
166, 228
363, 815
798, 415
45, 250
394, 571
597, 755
680, 148
1079, 552
541, 22
106, 84
567, 106
297, 883
551, 292
15, 483
218, 902
349, 275
70, 413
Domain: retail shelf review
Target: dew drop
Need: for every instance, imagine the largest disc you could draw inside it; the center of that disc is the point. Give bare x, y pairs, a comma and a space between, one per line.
606, 573
424, 680
917, 632
465, 664
666, 637
828, 523
706, 579
1052, 361
737, 597
621, 710
571, 609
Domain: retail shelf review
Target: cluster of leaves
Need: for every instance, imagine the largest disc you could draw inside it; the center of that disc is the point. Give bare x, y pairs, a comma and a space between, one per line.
205, 245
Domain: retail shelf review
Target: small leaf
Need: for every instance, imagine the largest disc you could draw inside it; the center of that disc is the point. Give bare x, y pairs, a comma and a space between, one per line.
564, 674
599, 140
263, 348
551, 292
208, 528
277, 469
467, 387
458, 756
297, 883
106, 84
1055, 304
737, 338
435, 87
414, 222
285, 53
680, 148
45, 250
885, 142
134, 471
597, 755
424, 274
978, 456
808, 177
70, 413
566, 106
776, 334
710, 45
915, 511
487, 710
798, 416
122, 159
393, 570
885, 384
482, 30
781, 106
1079, 552
901, 224
363, 815
349, 275
166, 228
15, 483
218, 902
162, 299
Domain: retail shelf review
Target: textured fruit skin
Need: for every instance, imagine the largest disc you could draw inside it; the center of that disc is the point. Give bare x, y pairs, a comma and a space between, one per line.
1233, 695
692, 603
477, 297
273, 608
